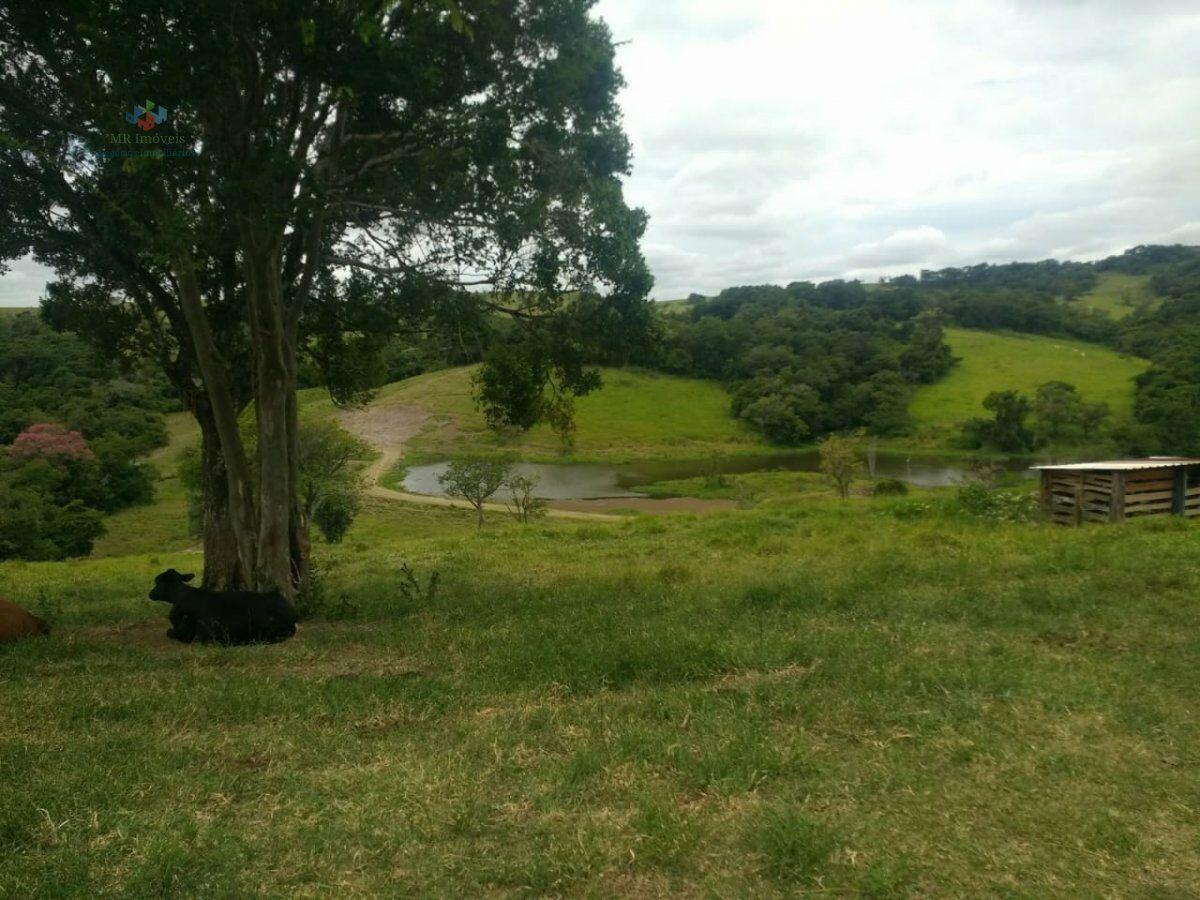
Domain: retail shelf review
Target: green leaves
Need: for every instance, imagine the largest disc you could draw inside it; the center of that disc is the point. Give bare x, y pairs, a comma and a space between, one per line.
457, 20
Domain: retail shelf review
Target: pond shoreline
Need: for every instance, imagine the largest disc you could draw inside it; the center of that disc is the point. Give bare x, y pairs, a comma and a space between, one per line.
590, 482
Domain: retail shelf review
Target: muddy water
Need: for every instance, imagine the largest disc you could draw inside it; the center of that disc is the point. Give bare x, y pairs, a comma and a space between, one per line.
577, 481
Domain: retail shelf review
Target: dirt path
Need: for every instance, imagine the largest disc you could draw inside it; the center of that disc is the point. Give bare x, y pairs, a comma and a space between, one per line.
386, 428
646, 504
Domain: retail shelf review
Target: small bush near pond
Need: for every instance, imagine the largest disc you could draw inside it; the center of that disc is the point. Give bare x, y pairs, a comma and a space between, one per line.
889, 487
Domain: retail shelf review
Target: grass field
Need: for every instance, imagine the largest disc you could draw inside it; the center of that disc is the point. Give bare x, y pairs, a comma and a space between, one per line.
635, 415
802, 695
1117, 294
15, 310
992, 361
872, 698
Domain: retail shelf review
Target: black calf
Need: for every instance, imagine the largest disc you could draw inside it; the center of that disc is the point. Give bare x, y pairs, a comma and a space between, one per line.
224, 617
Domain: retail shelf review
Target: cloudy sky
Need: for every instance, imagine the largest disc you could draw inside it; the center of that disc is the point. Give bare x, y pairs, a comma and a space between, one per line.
778, 140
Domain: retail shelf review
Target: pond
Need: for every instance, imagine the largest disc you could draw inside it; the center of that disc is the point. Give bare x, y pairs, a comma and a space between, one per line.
579, 481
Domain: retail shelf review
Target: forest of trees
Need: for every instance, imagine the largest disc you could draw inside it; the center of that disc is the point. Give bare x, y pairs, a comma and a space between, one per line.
1167, 399
811, 359
75, 429
807, 360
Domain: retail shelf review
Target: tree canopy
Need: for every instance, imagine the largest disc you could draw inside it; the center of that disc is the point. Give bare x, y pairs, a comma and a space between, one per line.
281, 181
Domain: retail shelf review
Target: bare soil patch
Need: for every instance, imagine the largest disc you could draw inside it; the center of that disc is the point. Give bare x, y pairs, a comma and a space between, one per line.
653, 505
386, 427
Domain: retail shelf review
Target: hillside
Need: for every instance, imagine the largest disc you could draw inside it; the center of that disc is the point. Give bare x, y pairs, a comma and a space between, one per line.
992, 361
1117, 295
634, 415
644, 415
640, 414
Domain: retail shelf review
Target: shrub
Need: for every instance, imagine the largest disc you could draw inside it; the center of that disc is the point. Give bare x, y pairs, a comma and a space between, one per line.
53, 443
889, 487
116, 480
315, 603
1007, 430
474, 480
526, 505
841, 459
34, 526
907, 510
335, 512
995, 505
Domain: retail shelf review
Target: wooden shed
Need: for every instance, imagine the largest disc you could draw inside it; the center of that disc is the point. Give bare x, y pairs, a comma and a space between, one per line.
1118, 489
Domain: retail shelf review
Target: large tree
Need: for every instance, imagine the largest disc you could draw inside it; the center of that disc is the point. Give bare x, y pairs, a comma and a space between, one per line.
226, 186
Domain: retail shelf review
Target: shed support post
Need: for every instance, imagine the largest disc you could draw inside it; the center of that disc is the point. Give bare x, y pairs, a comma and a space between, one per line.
1116, 510
1180, 499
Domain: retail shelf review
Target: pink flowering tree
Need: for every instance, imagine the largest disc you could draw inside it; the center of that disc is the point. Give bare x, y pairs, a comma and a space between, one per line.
53, 443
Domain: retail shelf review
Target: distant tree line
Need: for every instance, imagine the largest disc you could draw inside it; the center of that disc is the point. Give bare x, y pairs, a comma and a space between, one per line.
813, 359
1029, 297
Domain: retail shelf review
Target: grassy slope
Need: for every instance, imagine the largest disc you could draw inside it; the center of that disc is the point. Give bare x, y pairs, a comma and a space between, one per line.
1117, 294
635, 415
992, 361
809, 694
164, 523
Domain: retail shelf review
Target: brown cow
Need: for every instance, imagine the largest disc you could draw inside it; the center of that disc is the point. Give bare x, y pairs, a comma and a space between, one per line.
15, 623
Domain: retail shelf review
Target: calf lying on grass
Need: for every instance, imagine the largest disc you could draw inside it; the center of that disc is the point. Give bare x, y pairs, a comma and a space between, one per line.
16, 623
226, 617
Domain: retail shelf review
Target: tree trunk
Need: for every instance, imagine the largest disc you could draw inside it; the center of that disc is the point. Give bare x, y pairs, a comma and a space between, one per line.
224, 415
275, 414
222, 567
300, 514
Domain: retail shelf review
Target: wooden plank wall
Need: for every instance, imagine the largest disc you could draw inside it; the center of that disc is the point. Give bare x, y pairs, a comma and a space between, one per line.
1097, 497
1071, 498
1191, 496
1149, 492
1074, 497
1060, 494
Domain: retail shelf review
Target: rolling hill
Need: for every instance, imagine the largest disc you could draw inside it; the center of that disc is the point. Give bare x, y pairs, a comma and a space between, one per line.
640, 415
644, 415
993, 361
635, 414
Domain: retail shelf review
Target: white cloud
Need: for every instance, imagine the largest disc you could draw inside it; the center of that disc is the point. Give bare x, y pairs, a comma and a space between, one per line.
899, 248
23, 283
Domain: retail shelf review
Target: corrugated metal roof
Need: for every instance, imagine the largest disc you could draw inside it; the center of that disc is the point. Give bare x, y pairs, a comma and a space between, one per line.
1125, 465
